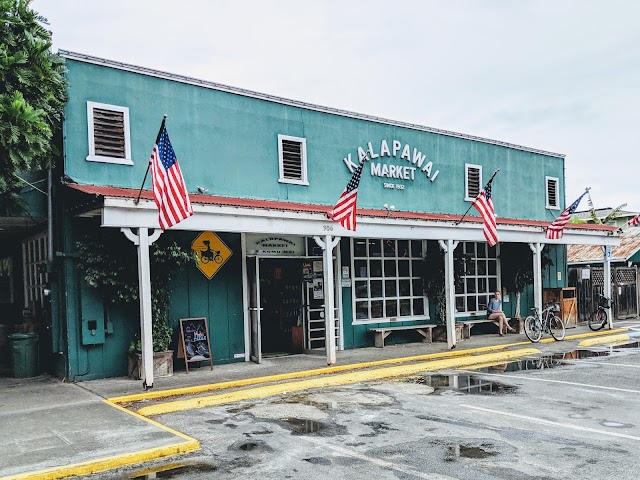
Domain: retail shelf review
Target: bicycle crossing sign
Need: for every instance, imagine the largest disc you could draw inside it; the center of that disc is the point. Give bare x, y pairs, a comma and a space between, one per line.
212, 253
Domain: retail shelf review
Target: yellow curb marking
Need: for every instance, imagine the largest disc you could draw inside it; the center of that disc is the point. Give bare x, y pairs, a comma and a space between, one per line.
336, 380
301, 374
330, 370
108, 463
602, 340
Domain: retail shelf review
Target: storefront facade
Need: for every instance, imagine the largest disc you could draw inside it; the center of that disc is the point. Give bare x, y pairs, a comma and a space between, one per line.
263, 172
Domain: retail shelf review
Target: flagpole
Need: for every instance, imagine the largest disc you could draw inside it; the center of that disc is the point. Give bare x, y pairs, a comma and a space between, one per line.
137, 200
473, 203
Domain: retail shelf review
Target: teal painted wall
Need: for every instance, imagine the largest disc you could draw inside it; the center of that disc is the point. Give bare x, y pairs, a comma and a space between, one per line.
219, 300
228, 144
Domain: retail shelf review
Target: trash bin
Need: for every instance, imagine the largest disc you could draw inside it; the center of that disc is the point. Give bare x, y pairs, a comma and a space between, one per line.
24, 354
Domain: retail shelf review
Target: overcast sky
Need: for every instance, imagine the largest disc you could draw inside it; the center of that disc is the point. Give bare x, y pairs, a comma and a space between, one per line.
557, 75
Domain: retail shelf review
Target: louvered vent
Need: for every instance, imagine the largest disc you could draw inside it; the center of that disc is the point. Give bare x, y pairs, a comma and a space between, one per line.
473, 182
108, 133
552, 192
291, 160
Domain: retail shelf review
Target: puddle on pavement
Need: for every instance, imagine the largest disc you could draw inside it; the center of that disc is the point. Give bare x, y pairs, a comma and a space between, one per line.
461, 384
609, 423
468, 451
303, 426
554, 360
175, 470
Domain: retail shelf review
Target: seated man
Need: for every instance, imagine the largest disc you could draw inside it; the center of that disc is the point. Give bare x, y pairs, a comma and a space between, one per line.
494, 312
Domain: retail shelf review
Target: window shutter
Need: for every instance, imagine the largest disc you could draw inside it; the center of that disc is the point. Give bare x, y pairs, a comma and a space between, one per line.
292, 160
473, 182
108, 133
552, 192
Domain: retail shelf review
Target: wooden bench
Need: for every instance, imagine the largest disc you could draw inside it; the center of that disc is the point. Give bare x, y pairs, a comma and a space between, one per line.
383, 332
467, 325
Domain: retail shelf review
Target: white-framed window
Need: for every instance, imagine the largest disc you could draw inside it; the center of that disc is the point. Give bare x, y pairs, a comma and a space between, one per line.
387, 285
552, 193
292, 158
472, 181
480, 279
109, 136
34, 263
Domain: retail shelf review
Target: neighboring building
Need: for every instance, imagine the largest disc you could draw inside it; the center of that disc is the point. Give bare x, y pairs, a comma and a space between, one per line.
601, 213
586, 273
263, 171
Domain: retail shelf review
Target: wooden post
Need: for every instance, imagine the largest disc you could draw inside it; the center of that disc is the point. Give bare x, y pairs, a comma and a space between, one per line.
142, 240
536, 248
327, 244
449, 290
607, 281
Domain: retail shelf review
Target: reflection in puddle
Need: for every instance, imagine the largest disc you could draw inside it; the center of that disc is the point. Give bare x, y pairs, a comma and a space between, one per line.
174, 470
448, 384
303, 426
468, 451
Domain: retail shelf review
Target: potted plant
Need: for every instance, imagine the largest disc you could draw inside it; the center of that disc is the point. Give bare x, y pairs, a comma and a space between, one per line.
110, 265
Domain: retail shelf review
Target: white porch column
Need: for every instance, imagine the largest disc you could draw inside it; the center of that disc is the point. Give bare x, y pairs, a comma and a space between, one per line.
327, 244
449, 290
142, 240
536, 248
606, 291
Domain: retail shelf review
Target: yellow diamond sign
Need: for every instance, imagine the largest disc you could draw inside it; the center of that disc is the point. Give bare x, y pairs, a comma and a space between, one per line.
212, 253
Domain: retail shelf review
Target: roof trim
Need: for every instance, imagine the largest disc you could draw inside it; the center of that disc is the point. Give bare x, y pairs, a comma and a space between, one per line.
80, 57
120, 192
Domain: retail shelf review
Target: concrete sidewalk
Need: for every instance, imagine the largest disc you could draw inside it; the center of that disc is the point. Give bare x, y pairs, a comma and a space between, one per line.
53, 429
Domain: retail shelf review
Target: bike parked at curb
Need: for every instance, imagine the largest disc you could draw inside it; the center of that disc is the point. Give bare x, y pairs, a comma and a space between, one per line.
599, 319
535, 325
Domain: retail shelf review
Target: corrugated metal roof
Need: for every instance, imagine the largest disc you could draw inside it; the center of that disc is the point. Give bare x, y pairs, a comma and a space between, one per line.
601, 213
285, 101
119, 192
629, 245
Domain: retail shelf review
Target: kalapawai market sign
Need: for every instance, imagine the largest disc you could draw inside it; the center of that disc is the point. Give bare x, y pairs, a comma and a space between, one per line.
407, 165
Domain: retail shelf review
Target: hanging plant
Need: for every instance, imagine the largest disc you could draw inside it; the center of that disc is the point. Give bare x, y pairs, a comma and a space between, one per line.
110, 265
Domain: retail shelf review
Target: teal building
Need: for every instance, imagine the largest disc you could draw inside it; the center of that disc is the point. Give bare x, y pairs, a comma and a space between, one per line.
262, 173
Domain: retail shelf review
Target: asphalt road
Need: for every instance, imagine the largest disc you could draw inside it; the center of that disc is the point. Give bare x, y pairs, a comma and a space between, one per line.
552, 417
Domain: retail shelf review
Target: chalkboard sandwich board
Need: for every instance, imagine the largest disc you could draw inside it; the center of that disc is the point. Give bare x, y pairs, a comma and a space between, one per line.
194, 341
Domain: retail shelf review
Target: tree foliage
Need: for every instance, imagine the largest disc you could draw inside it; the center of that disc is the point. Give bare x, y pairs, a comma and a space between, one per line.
32, 93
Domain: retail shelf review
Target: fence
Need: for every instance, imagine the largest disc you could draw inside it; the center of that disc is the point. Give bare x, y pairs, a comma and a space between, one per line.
589, 283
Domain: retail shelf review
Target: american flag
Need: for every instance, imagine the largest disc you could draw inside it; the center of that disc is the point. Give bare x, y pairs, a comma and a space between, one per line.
169, 189
345, 210
556, 229
484, 205
635, 221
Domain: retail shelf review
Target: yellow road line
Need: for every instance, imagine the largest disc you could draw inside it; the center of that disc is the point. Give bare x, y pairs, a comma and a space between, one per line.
602, 340
331, 381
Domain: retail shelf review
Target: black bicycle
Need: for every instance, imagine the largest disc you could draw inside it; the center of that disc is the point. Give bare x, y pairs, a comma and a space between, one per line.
599, 319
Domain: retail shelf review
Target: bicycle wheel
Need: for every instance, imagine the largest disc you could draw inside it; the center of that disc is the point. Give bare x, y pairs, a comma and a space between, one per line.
598, 321
556, 327
532, 329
